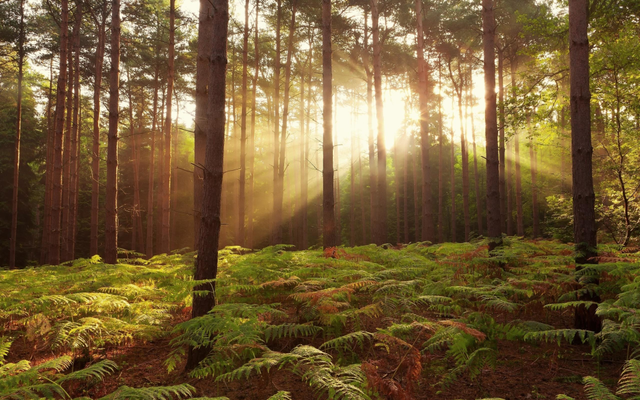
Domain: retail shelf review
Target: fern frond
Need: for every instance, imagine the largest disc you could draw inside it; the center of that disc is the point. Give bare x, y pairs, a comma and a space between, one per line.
152, 393
629, 383
273, 332
568, 304
559, 334
596, 390
281, 395
347, 342
97, 370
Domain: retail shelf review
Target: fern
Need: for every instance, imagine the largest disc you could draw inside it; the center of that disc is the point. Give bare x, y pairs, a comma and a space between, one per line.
558, 335
596, 390
152, 393
348, 341
281, 395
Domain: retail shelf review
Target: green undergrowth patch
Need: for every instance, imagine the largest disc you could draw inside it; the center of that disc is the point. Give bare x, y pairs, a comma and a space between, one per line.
353, 323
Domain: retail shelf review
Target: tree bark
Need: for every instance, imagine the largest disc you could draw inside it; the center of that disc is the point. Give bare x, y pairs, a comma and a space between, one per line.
205, 30
252, 140
75, 137
534, 188
382, 153
328, 212
240, 237
475, 157
56, 192
494, 223
66, 157
111, 228
581, 149
207, 262
440, 161
46, 228
95, 153
16, 157
166, 175
518, 172
425, 141
506, 220
373, 180
276, 216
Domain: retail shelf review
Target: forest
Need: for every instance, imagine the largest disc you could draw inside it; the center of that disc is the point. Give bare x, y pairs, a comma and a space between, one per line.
327, 199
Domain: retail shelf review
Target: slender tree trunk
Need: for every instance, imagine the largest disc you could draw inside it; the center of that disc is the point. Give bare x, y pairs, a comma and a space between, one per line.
416, 198
279, 183
336, 175
75, 136
518, 172
56, 193
150, 213
491, 126
563, 128
465, 159
207, 262
252, 140
66, 158
46, 229
519, 209
304, 155
136, 232
584, 229
328, 215
583, 194
506, 222
166, 175
352, 172
240, 237
452, 182
382, 153
373, 180
405, 184
425, 143
534, 189
111, 229
276, 216
205, 31
475, 159
440, 160
95, 153
16, 157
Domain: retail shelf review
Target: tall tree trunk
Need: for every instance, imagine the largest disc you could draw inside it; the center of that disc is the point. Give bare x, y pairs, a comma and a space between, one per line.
66, 158
46, 228
166, 175
465, 159
56, 192
240, 237
494, 229
440, 160
583, 194
252, 140
279, 183
207, 262
150, 213
328, 214
373, 180
95, 153
336, 175
352, 173
510, 187
382, 153
584, 228
205, 32
534, 188
476, 176
75, 136
405, 184
304, 155
16, 157
136, 237
276, 216
506, 220
452, 182
427, 212
111, 229
518, 172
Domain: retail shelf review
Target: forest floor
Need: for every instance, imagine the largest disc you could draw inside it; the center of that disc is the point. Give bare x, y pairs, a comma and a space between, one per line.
419, 322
